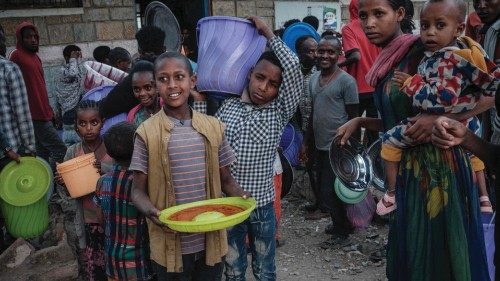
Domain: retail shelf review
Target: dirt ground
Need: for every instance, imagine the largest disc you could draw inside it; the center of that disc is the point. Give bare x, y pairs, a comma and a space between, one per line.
302, 257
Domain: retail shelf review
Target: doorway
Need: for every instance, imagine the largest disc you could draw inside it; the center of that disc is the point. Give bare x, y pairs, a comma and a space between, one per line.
187, 12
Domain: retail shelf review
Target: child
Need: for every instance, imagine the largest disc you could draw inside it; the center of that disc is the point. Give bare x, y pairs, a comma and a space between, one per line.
334, 101
448, 78
144, 88
254, 125
89, 236
181, 156
120, 58
126, 244
69, 91
101, 54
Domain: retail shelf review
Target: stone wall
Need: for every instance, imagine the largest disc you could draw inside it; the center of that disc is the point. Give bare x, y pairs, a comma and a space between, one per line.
109, 22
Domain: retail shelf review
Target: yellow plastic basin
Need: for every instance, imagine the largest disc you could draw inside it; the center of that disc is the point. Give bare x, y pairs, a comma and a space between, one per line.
209, 221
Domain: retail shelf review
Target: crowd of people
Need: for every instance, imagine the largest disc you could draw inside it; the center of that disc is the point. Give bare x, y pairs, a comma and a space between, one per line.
430, 97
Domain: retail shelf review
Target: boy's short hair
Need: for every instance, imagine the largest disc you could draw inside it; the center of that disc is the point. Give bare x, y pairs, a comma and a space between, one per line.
70, 48
332, 38
151, 39
312, 20
119, 141
460, 4
270, 57
101, 53
300, 41
118, 54
174, 55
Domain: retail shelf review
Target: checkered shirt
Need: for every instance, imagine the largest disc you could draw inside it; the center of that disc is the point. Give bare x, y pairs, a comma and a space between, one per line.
15, 116
254, 132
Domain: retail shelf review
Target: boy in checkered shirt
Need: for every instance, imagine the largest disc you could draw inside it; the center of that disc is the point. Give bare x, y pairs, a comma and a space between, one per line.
254, 125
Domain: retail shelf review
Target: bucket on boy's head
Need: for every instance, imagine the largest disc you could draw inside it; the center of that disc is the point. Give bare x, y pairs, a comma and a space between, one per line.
79, 175
228, 48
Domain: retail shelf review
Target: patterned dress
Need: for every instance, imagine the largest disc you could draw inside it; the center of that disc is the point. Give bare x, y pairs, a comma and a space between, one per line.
436, 233
91, 258
447, 82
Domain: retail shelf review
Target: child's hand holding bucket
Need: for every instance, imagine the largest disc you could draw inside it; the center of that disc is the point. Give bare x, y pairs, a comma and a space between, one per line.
97, 165
58, 178
262, 27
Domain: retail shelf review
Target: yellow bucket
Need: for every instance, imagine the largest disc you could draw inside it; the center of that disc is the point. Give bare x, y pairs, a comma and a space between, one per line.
79, 175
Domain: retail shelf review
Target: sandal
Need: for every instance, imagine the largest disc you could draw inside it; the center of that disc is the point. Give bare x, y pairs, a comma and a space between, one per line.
384, 210
485, 209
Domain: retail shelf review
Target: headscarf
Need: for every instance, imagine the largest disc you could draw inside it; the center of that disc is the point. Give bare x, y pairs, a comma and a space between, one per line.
389, 57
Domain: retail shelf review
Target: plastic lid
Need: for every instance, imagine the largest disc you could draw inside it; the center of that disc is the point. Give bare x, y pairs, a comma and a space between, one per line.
25, 183
297, 30
348, 195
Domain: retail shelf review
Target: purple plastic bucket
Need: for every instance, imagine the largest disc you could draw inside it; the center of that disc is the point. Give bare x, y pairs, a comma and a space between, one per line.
228, 48
290, 142
99, 93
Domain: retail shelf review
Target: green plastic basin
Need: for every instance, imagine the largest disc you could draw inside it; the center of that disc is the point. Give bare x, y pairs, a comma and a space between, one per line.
26, 221
209, 221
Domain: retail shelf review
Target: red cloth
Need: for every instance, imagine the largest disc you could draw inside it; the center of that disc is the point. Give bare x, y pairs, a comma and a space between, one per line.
31, 67
277, 202
354, 39
473, 27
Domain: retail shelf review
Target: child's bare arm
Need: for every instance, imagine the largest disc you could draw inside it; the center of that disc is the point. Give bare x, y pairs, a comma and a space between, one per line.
141, 199
229, 186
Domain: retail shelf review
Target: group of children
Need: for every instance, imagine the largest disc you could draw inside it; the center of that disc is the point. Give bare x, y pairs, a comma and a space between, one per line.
169, 154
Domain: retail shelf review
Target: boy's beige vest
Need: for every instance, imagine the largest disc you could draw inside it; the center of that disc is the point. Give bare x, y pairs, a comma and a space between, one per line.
156, 131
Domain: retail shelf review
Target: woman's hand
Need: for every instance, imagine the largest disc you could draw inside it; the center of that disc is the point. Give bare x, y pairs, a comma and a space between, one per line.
345, 131
448, 132
262, 27
420, 127
399, 78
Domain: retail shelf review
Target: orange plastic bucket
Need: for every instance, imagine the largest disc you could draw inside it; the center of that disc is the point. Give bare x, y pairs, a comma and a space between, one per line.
79, 175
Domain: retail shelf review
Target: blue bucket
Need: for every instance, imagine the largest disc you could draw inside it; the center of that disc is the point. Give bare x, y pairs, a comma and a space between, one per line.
228, 48
290, 142
297, 30
98, 93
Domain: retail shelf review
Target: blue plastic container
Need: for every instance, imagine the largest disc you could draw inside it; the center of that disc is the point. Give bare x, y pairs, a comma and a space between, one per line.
98, 93
290, 142
297, 30
228, 48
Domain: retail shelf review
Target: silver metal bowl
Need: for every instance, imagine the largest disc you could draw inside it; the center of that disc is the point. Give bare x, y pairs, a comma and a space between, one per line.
351, 164
377, 165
